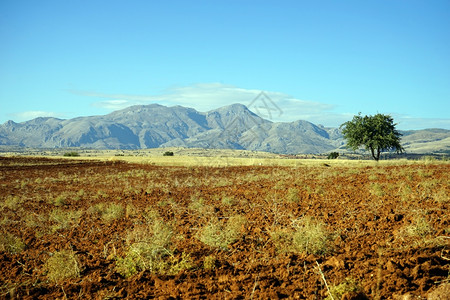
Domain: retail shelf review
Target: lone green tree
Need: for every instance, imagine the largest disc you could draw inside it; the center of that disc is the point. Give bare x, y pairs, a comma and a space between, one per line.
376, 133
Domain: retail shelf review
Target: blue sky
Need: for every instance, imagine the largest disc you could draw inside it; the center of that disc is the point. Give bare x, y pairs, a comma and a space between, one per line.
321, 61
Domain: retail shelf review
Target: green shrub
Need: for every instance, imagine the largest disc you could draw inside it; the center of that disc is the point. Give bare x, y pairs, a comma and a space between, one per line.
168, 153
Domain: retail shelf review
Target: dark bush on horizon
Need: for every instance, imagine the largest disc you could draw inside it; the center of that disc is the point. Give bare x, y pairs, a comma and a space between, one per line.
71, 154
333, 155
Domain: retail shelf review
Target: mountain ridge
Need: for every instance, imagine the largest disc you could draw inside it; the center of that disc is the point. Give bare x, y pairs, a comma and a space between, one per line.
228, 127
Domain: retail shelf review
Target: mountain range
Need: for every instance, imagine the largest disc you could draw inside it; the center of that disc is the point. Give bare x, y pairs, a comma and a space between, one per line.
229, 127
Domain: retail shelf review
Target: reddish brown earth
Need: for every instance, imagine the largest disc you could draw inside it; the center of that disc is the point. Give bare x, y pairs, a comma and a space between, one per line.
367, 211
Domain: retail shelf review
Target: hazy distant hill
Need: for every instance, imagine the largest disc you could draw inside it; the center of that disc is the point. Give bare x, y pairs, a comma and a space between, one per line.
234, 127
426, 141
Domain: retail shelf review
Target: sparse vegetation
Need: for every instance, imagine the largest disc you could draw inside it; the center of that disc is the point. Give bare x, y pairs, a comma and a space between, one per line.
151, 248
11, 243
220, 234
377, 189
419, 228
348, 287
244, 231
227, 200
199, 206
209, 262
293, 195
62, 265
306, 235
112, 212
108, 211
12, 202
59, 200
64, 219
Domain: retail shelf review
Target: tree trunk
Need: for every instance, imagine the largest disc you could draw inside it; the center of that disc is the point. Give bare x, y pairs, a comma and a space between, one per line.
377, 155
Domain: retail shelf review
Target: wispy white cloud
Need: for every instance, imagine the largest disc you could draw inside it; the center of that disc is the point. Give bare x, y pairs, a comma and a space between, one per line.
275, 106
405, 122
208, 96
114, 104
32, 114
116, 101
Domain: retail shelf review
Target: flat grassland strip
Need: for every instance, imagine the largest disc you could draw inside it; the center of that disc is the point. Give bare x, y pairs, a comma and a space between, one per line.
232, 160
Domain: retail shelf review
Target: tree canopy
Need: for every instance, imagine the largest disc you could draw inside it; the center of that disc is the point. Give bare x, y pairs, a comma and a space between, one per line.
376, 133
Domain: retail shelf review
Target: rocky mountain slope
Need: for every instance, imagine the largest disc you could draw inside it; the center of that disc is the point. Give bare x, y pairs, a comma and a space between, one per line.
151, 126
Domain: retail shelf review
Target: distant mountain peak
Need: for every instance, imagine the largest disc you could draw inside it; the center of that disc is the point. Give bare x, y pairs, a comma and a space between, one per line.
10, 123
236, 107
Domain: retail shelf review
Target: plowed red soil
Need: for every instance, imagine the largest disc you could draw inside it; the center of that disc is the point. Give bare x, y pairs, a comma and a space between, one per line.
389, 229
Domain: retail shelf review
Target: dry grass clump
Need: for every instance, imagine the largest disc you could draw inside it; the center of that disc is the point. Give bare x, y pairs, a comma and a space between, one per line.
306, 235
107, 211
199, 206
11, 243
64, 219
151, 247
418, 233
80, 194
219, 234
419, 228
377, 189
405, 192
131, 210
229, 201
113, 211
348, 289
34, 220
209, 262
59, 200
441, 196
62, 265
293, 195
11, 202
